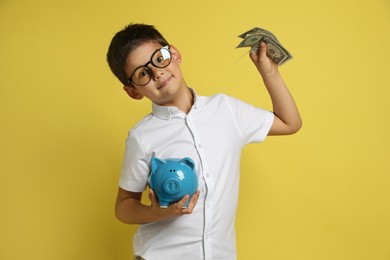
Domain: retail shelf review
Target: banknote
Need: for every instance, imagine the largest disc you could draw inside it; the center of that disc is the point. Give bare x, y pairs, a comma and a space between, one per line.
275, 50
251, 40
258, 30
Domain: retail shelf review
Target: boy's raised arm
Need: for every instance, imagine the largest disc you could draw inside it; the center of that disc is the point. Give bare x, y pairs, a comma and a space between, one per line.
287, 119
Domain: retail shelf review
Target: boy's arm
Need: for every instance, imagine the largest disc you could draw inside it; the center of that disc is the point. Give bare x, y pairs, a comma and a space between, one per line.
130, 210
287, 119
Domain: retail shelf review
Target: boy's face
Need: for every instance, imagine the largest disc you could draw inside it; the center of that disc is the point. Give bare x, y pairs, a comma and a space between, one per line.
165, 83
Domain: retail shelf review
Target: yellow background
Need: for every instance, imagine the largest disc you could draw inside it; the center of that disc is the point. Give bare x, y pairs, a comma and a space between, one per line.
322, 194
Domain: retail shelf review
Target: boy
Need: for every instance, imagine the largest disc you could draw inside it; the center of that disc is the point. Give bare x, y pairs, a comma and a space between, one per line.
210, 130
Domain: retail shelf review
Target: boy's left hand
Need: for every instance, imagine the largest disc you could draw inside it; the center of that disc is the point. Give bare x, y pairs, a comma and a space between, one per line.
263, 64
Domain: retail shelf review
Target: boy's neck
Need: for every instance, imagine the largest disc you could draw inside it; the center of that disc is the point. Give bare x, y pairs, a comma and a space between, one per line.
185, 101
182, 100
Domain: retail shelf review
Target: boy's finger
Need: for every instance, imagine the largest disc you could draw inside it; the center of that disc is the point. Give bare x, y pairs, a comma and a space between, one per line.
152, 197
151, 194
263, 49
194, 199
183, 201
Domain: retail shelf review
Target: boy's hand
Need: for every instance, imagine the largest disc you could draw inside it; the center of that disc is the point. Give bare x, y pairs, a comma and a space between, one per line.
175, 209
263, 64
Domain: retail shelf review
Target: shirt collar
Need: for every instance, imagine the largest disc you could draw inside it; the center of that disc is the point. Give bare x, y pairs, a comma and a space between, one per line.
167, 112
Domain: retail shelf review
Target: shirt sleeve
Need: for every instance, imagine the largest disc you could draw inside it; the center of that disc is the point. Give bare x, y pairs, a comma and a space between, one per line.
135, 167
253, 123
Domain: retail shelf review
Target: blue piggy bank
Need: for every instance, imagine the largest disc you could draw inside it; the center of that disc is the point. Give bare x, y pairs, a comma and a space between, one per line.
172, 179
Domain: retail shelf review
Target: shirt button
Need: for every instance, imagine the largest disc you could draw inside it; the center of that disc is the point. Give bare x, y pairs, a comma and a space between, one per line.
199, 145
167, 115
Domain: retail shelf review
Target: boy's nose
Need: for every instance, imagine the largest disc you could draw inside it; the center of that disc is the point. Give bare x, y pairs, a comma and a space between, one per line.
156, 72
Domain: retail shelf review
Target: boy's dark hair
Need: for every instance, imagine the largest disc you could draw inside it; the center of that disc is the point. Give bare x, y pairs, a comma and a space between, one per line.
125, 41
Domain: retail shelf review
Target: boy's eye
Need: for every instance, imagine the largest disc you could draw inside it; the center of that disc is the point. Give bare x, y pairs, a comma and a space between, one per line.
160, 59
141, 73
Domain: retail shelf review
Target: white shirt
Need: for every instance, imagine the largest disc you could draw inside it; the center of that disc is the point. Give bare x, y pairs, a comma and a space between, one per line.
213, 134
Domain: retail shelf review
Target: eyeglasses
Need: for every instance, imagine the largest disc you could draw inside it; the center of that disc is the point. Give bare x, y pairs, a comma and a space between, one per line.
142, 75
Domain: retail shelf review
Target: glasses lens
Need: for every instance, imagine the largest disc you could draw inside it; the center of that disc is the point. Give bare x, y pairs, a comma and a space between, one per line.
161, 58
141, 76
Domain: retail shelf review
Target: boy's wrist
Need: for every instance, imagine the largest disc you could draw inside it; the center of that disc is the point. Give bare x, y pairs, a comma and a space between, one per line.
270, 75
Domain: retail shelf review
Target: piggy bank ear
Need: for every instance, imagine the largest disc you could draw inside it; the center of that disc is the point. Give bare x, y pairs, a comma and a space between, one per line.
189, 162
156, 163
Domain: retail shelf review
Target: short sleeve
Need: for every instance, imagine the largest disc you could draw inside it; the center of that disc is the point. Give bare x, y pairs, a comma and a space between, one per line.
135, 166
253, 123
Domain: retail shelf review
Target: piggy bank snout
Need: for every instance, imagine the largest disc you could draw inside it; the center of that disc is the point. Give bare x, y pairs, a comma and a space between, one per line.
172, 186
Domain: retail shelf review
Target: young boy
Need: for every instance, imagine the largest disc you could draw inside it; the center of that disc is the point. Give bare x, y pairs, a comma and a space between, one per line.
210, 130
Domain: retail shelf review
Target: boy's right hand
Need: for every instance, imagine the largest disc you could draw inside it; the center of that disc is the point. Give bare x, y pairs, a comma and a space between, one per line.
175, 209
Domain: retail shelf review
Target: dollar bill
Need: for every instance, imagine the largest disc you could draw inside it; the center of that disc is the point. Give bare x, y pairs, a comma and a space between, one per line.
275, 51
258, 30
251, 40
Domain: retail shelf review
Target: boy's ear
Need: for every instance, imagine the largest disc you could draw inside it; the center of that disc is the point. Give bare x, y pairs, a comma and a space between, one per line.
133, 92
176, 54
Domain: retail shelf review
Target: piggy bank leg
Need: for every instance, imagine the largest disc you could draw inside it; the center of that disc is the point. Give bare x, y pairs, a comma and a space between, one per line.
164, 203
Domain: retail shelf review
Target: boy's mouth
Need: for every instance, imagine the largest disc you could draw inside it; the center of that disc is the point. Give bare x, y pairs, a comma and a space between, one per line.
164, 83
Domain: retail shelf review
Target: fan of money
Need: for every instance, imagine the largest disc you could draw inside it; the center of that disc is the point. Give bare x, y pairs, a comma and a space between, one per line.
275, 51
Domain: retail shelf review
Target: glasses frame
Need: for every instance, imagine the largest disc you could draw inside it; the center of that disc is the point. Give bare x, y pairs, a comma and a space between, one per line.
149, 71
